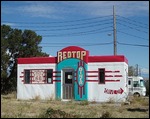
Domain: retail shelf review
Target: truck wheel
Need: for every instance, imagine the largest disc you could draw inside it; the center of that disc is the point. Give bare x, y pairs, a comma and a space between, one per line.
136, 95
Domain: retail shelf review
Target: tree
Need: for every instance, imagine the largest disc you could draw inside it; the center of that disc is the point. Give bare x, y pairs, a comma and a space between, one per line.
131, 71
16, 43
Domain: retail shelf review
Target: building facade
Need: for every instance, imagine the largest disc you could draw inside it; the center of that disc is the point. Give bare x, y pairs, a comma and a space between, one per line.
73, 75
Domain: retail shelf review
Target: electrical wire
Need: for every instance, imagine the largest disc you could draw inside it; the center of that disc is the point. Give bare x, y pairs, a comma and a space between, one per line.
146, 25
59, 21
77, 33
79, 44
132, 28
65, 25
133, 44
133, 24
132, 35
72, 28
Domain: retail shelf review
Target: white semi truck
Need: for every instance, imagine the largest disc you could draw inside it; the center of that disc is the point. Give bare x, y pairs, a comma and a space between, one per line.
136, 86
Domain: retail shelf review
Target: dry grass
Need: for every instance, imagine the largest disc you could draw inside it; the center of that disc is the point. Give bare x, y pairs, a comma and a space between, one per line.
12, 108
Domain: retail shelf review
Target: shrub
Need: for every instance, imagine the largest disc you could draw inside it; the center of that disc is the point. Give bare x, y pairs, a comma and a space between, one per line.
106, 115
51, 113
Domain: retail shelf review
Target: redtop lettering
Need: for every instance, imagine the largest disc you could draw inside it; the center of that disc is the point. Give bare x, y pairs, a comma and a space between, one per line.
70, 54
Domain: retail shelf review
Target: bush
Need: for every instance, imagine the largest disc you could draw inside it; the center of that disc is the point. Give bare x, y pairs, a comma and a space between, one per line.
51, 113
106, 115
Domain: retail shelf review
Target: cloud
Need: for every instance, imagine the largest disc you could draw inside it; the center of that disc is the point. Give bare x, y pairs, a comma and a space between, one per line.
10, 24
38, 10
125, 8
61, 9
145, 71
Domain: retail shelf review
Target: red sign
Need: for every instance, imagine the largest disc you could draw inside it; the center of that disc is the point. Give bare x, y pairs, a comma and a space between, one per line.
109, 91
72, 52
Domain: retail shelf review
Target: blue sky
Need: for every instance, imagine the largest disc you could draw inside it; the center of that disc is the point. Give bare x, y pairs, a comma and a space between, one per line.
88, 24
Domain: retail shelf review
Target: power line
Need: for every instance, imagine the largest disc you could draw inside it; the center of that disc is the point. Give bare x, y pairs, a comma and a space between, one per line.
132, 28
78, 33
133, 44
90, 44
72, 27
57, 22
79, 44
132, 20
66, 25
132, 35
133, 24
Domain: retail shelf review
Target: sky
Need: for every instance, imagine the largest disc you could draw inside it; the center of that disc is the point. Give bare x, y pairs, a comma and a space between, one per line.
87, 24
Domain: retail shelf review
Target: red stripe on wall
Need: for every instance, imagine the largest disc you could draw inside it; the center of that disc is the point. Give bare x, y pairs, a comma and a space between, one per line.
112, 80
109, 76
105, 80
105, 71
118, 76
21, 76
116, 71
111, 71
92, 71
92, 76
92, 80
113, 76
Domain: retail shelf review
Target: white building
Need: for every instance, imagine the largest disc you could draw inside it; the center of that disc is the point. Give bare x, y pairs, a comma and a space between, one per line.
73, 74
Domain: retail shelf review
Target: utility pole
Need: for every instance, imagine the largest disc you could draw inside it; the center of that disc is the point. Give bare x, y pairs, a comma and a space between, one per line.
137, 70
114, 29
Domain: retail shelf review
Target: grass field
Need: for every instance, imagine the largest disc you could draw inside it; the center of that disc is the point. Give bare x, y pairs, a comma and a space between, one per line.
13, 108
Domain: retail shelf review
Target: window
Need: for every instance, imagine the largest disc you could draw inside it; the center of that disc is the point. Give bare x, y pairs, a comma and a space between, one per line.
49, 76
27, 76
129, 82
101, 76
34, 76
142, 83
68, 77
135, 84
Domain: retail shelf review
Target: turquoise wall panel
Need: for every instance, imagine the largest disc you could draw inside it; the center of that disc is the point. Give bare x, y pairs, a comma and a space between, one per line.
80, 85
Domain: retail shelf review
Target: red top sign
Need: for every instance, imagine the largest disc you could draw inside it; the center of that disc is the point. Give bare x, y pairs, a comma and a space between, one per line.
72, 52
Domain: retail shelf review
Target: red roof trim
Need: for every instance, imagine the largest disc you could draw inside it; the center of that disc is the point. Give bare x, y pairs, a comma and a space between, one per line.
37, 60
118, 58
45, 60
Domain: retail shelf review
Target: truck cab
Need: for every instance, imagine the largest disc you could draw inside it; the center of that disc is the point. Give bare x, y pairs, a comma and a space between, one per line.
136, 86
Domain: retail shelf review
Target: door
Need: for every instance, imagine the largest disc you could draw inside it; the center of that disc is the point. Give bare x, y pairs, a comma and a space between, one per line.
68, 82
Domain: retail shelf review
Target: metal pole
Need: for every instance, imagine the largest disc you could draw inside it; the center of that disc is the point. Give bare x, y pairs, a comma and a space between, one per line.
114, 29
137, 70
